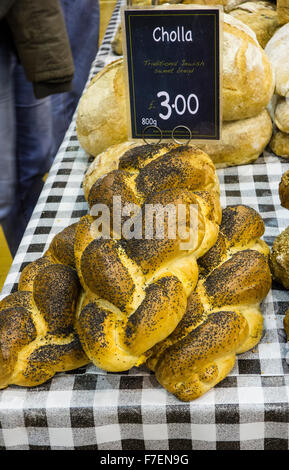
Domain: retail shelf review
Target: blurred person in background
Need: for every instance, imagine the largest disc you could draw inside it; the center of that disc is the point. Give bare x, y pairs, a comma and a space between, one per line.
82, 24
35, 62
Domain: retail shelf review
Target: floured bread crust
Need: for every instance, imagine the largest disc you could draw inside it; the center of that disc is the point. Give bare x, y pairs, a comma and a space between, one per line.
260, 16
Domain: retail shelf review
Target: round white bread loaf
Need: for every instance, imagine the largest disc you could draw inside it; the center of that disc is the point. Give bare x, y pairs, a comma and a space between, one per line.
260, 16
242, 141
247, 89
223, 317
277, 51
101, 118
248, 82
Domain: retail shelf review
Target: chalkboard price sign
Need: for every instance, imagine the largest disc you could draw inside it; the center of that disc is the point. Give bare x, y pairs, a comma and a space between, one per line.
173, 72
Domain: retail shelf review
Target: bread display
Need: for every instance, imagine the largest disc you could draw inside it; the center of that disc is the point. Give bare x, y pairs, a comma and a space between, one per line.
223, 317
136, 289
247, 89
279, 258
37, 333
260, 16
283, 11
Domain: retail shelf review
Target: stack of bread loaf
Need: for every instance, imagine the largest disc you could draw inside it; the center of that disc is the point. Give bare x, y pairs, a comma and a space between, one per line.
247, 89
221, 316
142, 300
277, 51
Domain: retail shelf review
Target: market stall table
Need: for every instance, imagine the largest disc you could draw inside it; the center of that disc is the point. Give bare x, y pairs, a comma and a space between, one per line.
91, 409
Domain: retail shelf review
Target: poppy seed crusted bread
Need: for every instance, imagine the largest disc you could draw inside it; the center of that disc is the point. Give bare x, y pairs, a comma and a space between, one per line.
37, 333
223, 316
136, 289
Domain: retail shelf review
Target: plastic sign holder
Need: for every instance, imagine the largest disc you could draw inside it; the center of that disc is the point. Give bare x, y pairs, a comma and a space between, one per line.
172, 62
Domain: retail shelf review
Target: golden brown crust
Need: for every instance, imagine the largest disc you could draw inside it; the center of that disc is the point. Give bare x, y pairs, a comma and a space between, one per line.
192, 362
37, 332
281, 115
137, 288
284, 190
100, 119
242, 141
283, 11
260, 16
280, 144
223, 315
279, 258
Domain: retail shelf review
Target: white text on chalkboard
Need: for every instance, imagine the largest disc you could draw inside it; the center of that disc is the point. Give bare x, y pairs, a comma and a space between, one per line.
176, 35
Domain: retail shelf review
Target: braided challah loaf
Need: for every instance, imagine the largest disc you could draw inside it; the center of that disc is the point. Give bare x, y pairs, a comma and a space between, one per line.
223, 316
136, 289
37, 334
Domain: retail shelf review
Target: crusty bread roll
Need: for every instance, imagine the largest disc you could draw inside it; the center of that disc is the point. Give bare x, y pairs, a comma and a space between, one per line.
248, 82
281, 115
283, 11
242, 141
136, 289
284, 190
247, 89
277, 51
223, 317
37, 333
101, 118
260, 16
279, 258
280, 143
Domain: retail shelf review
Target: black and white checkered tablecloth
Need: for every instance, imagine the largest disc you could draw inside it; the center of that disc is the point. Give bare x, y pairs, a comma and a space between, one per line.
90, 409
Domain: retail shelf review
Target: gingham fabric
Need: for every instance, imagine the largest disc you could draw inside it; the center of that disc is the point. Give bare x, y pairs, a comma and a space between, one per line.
91, 409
